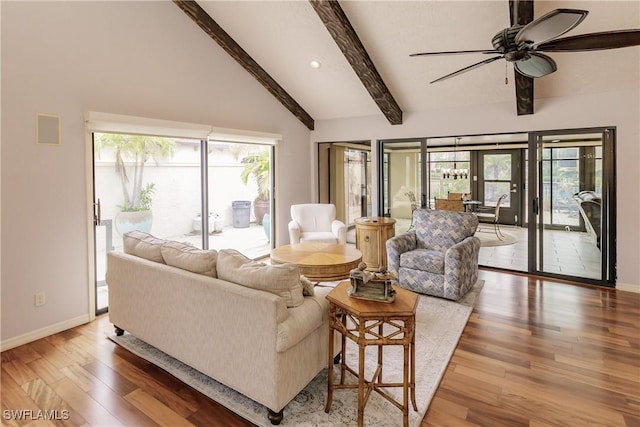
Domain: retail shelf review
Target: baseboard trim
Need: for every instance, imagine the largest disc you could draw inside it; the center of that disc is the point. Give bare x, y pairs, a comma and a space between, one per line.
43, 332
628, 287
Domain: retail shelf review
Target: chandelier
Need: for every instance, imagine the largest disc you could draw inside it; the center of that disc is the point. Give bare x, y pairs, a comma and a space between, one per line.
455, 173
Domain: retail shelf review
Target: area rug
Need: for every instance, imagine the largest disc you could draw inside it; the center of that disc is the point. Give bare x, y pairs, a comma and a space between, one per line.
489, 238
439, 325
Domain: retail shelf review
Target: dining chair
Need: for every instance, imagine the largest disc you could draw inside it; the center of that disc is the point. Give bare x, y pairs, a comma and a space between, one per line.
492, 216
449, 205
414, 205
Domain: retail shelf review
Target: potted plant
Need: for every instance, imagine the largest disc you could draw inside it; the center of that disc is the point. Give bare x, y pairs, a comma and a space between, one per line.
131, 154
257, 166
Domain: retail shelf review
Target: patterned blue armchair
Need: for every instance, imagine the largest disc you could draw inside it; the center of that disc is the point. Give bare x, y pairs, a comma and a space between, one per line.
439, 256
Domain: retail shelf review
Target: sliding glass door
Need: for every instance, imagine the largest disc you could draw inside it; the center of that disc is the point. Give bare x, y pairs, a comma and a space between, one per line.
210, 194
401, 183
559, 213
572, 232
344, 179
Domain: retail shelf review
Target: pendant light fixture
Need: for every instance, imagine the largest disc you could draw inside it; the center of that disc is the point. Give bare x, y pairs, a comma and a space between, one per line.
456, 173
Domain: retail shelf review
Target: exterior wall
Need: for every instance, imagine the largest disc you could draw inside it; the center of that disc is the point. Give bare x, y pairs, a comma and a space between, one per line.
176, 199
144, 59
619, 109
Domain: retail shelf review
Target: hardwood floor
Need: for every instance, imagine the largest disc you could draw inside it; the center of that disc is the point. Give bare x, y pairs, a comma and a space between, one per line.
534, 352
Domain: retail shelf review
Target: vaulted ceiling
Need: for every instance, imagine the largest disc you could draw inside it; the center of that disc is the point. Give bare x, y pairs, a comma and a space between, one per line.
283, 37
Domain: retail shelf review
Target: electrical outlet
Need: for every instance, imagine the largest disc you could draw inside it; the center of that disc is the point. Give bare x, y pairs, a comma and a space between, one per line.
39, 299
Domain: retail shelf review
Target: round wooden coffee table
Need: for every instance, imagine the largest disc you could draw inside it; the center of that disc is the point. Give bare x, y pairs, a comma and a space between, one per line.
319, 261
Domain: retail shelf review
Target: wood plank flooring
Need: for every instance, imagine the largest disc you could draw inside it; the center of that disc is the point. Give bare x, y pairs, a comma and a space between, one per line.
534, 353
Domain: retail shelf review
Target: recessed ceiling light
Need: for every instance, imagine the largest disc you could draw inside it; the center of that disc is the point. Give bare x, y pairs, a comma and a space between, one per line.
315, 64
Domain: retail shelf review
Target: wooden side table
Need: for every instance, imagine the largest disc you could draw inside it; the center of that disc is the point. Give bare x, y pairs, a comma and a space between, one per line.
372, 234
319, 261
373, 323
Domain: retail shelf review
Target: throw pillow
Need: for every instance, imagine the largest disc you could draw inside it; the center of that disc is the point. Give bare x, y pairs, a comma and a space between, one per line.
143, 245
307, 286
190, 258
281, 279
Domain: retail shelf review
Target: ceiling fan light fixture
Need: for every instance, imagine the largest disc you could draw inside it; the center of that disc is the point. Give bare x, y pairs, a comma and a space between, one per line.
536, 65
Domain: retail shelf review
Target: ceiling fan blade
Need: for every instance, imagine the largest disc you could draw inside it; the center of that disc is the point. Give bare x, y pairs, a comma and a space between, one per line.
593, 41
469, 68
455, 52
520, 12
552, 25
536, 65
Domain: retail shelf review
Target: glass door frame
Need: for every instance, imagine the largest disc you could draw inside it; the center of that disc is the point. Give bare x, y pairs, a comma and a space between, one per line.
535, 200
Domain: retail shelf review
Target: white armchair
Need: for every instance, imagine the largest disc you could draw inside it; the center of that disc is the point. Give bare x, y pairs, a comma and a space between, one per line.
316, 222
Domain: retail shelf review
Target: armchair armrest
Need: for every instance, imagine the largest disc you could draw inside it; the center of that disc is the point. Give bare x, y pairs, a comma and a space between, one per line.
340, 230
396, 246
461, 259
294, 232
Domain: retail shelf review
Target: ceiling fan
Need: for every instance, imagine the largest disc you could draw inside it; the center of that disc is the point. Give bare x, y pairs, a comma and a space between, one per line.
524, 41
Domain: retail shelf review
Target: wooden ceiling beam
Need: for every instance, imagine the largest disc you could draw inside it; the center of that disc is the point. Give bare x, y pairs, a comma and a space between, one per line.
521, 12
211, 27
338, 25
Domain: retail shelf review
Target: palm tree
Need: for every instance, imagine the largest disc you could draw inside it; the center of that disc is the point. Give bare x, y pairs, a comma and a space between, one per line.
137, 149
258, 166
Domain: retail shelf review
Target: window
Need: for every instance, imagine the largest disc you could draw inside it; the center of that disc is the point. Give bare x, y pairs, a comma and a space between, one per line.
453, 161
497, 179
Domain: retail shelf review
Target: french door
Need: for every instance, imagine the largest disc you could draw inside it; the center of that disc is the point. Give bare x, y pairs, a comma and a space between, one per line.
499, 173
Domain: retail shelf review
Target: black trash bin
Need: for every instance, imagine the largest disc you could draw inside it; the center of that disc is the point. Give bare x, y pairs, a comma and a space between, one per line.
241, 213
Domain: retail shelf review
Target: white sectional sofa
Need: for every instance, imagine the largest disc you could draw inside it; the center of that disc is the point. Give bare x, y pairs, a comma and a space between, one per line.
245, 324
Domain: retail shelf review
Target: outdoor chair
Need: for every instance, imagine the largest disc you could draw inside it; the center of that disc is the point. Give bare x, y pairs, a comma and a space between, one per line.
439, 256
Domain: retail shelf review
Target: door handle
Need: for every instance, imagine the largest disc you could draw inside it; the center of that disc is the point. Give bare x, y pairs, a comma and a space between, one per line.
98, 213
536, 206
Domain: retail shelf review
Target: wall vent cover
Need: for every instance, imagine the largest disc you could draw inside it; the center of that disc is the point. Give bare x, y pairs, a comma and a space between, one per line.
48, 129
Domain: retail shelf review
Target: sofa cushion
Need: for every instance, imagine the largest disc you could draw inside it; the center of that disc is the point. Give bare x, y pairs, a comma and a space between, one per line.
143, 245
281, 279
190, 258
319, 237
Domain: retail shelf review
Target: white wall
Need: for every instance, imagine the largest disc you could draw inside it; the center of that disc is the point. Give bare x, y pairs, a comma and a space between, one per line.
619, 109
143, 59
